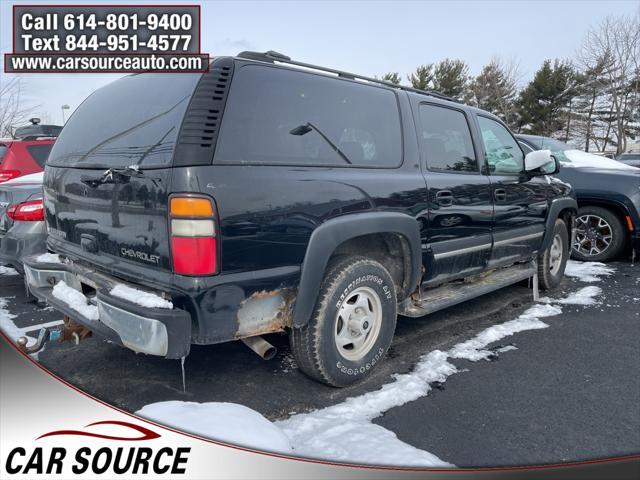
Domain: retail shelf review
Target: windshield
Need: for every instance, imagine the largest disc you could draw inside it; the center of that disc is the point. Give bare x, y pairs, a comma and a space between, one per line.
132, 121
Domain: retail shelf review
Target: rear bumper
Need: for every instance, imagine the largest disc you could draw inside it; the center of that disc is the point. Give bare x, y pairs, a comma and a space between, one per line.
155, 331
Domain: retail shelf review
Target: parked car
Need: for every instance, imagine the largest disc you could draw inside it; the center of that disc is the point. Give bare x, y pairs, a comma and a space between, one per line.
22, 228
632, 159
608, 196
28, 152
262, 197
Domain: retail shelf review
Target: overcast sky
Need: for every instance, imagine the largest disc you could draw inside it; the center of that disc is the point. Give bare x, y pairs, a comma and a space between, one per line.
369, 38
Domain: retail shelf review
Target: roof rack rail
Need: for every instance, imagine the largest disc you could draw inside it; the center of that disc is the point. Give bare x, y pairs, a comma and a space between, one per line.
272, 57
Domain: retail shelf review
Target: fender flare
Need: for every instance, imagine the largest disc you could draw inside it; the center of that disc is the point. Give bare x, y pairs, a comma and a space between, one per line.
557, 206
328, 236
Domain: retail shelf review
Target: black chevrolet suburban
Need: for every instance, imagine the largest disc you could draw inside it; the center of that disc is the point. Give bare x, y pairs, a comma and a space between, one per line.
264, 197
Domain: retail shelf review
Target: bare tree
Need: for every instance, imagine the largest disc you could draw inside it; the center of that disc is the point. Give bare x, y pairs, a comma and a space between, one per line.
611, 51
13, 112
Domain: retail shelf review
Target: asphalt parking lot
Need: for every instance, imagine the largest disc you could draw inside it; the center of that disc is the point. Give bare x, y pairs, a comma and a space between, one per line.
563, 393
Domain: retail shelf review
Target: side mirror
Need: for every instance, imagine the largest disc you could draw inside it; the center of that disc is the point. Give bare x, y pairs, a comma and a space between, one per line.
541, 162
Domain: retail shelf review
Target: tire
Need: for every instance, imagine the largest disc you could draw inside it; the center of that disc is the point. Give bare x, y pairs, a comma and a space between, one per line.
592, 226
553, 260
360, 290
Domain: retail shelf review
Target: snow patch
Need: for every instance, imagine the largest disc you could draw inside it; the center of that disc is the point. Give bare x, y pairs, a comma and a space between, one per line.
139, 297
584, 296
345, 432
75, 299
6, 321
227, 422
587, 271
7, 270
48, 258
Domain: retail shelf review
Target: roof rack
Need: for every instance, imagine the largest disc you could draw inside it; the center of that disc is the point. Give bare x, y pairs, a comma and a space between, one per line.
273, 57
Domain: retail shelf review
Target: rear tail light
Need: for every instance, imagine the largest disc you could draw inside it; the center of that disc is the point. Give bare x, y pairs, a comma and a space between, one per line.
32, 211
194, 247
6, 175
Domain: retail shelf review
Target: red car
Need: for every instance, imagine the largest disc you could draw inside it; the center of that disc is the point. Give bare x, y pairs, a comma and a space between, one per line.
21, 157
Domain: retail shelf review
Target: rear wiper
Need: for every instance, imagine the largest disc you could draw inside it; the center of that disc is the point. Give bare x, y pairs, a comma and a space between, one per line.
114, 175
307, 127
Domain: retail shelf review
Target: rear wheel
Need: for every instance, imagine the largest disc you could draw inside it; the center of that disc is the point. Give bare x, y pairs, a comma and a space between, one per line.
352, 325
599, 235
553, 260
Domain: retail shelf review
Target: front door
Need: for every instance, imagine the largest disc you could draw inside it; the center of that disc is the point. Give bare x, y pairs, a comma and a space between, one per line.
460, 210
520, 202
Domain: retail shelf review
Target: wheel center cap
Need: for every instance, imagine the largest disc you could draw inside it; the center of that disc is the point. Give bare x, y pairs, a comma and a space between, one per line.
360, 325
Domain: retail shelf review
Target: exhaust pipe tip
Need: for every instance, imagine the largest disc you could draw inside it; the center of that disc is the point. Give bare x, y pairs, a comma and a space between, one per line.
259, 345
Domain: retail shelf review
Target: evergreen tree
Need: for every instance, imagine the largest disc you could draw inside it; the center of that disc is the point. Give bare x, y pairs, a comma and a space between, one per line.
543, 103
451, 78
393, 77
422, 78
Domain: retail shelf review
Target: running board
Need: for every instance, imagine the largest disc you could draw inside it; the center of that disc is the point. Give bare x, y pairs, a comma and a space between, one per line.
451, 294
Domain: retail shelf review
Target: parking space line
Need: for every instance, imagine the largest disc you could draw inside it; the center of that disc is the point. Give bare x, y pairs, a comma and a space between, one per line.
32, 328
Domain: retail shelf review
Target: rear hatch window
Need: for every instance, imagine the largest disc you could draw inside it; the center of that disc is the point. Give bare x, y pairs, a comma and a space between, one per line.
3, 151
132, 121
39, 153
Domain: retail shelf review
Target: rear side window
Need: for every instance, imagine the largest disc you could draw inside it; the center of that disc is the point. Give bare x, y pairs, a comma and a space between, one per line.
277, 116
446, 140
132, 121
39, 153
3, 151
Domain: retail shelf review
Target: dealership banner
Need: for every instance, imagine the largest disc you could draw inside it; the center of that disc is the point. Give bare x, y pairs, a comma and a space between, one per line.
50, 429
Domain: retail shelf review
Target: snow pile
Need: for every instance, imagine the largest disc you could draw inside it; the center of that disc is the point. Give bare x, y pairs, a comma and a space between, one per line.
7, 270
587, 271
227, 422
48, 258
75, 299
139, 297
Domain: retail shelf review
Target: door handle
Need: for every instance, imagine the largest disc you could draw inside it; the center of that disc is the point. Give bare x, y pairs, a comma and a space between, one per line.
444, 197
500, 194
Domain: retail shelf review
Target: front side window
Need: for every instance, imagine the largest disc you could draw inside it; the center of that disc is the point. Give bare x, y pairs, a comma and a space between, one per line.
446, 140
279, 116
503, 153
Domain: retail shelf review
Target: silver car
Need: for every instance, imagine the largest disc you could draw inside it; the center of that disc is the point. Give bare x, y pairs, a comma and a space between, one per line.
22, 228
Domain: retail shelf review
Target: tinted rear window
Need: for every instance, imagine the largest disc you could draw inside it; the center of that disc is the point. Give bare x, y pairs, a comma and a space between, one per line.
446, 139
40, 153
134, 120
3, 151
278, 116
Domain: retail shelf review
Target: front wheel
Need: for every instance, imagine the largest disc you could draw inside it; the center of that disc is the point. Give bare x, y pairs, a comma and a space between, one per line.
553, 260
352, 325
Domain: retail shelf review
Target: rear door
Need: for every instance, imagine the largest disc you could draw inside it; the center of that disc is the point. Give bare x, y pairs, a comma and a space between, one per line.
520, 202
460, 209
